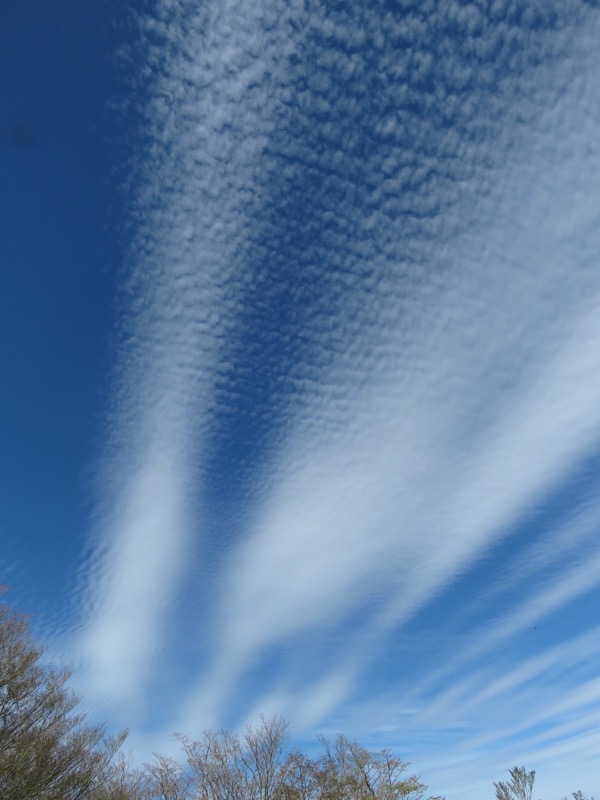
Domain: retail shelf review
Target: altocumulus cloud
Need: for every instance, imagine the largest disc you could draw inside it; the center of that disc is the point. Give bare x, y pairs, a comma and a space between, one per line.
363, 352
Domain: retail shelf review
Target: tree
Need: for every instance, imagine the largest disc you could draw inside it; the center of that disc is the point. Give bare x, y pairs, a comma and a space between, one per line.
520, 786
47, 752
300, 779
227, 767
122, 780
167, 779
349, 771
256, 766
263, 756
215, 762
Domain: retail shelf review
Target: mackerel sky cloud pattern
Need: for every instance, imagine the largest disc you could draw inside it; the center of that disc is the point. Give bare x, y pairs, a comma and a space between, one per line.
366, 352
352, 451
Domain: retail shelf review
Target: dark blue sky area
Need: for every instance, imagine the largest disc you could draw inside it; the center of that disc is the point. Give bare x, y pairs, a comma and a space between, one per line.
62, 154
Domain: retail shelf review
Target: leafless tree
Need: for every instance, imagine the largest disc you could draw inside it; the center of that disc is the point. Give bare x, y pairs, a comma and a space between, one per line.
47, 752
349, 771
217, 766
520, 786
263, 756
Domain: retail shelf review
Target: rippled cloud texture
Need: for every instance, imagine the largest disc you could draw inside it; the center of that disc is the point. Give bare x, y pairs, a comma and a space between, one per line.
352, 474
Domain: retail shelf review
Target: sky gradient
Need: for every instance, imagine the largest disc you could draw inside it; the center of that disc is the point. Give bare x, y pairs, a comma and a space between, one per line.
301, 370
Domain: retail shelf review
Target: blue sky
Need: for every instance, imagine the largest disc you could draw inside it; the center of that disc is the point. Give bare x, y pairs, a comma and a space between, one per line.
300, 312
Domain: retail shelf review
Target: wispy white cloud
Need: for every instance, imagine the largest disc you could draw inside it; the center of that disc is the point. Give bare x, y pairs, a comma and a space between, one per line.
179, 300
406, 479
394, 282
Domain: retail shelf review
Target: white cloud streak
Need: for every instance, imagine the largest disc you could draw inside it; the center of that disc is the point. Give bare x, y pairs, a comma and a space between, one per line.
182, 293
441, 336
389, 497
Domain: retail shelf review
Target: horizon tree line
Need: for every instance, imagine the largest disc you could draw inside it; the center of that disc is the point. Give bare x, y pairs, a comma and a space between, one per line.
48, 751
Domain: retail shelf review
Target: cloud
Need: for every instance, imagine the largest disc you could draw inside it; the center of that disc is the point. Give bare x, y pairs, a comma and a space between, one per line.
138, 573
178, 301
362, 348
411, 475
